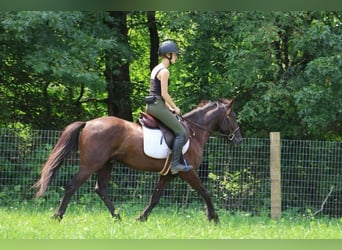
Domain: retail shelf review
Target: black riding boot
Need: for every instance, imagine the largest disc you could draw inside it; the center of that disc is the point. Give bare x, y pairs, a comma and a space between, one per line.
176, 166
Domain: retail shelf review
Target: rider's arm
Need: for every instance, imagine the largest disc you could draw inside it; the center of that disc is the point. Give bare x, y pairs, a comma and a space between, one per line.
164, 82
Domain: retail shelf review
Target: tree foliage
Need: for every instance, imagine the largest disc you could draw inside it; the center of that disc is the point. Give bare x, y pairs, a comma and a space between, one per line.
282, 68
51, 63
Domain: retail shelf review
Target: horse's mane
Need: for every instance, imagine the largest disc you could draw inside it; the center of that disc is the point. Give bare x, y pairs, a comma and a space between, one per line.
204, 105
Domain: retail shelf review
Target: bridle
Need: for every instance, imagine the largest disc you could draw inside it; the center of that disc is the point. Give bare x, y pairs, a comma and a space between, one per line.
230, 137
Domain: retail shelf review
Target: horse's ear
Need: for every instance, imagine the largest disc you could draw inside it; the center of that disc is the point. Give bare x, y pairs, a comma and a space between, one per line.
229, 102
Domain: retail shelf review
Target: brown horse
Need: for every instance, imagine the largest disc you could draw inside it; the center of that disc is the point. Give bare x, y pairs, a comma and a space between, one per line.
102, 140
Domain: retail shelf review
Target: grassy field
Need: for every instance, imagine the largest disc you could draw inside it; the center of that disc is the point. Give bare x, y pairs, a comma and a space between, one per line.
164, 223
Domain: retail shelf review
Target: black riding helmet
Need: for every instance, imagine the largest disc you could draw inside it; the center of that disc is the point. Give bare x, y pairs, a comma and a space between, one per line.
167, 47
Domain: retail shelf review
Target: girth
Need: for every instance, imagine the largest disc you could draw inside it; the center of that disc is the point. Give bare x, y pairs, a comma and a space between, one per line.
153, 123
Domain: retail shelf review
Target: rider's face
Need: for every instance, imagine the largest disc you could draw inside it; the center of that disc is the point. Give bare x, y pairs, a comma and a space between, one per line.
174, 58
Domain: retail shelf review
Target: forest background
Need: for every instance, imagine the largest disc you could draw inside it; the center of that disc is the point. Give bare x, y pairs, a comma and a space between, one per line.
282, 68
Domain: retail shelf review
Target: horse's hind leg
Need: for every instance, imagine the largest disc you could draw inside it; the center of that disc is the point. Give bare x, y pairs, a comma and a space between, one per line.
194, 181
101, 188
158, 191
71, 188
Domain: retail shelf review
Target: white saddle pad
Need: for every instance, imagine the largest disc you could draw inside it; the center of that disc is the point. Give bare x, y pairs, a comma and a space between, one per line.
155, 145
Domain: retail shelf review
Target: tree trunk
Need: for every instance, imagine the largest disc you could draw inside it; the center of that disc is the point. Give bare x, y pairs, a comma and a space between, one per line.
119, 86
154, 38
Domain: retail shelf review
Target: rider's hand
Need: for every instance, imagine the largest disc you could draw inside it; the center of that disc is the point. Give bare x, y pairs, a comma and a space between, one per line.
177, 110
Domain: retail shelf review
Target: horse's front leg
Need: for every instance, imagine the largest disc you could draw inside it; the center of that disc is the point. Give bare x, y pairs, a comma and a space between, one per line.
194, 181
158, 191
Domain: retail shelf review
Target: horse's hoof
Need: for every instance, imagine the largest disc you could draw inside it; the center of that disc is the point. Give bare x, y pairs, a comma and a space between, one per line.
215, 219
57, 217
117, 217
142, 218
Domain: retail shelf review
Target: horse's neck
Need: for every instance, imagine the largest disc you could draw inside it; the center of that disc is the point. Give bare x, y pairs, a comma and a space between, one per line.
204, 121
206, 116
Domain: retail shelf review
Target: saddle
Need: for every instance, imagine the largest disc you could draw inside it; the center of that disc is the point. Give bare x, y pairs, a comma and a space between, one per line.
153, 123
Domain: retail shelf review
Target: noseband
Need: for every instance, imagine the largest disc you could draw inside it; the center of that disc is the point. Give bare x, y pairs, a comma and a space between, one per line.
231, 136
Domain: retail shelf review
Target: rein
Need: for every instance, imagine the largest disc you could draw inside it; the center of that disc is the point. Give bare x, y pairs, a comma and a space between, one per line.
230, 137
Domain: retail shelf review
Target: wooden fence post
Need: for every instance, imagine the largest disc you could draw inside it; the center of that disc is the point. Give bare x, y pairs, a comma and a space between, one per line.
275, 156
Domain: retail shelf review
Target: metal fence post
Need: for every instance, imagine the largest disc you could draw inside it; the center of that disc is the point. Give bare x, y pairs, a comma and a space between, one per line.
275, 174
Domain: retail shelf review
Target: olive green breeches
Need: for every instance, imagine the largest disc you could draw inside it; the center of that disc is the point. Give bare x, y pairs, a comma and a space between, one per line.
159, 110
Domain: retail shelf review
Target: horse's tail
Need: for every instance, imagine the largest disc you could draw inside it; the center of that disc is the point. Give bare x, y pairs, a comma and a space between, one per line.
67, 143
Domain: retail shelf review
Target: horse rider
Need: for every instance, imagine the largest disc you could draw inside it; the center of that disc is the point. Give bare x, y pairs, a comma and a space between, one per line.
159, 103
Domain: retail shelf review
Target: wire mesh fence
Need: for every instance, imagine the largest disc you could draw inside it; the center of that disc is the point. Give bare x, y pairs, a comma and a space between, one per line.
238, 178
312, 176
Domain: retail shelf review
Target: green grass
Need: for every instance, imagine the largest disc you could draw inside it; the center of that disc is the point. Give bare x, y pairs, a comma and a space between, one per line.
163, 223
